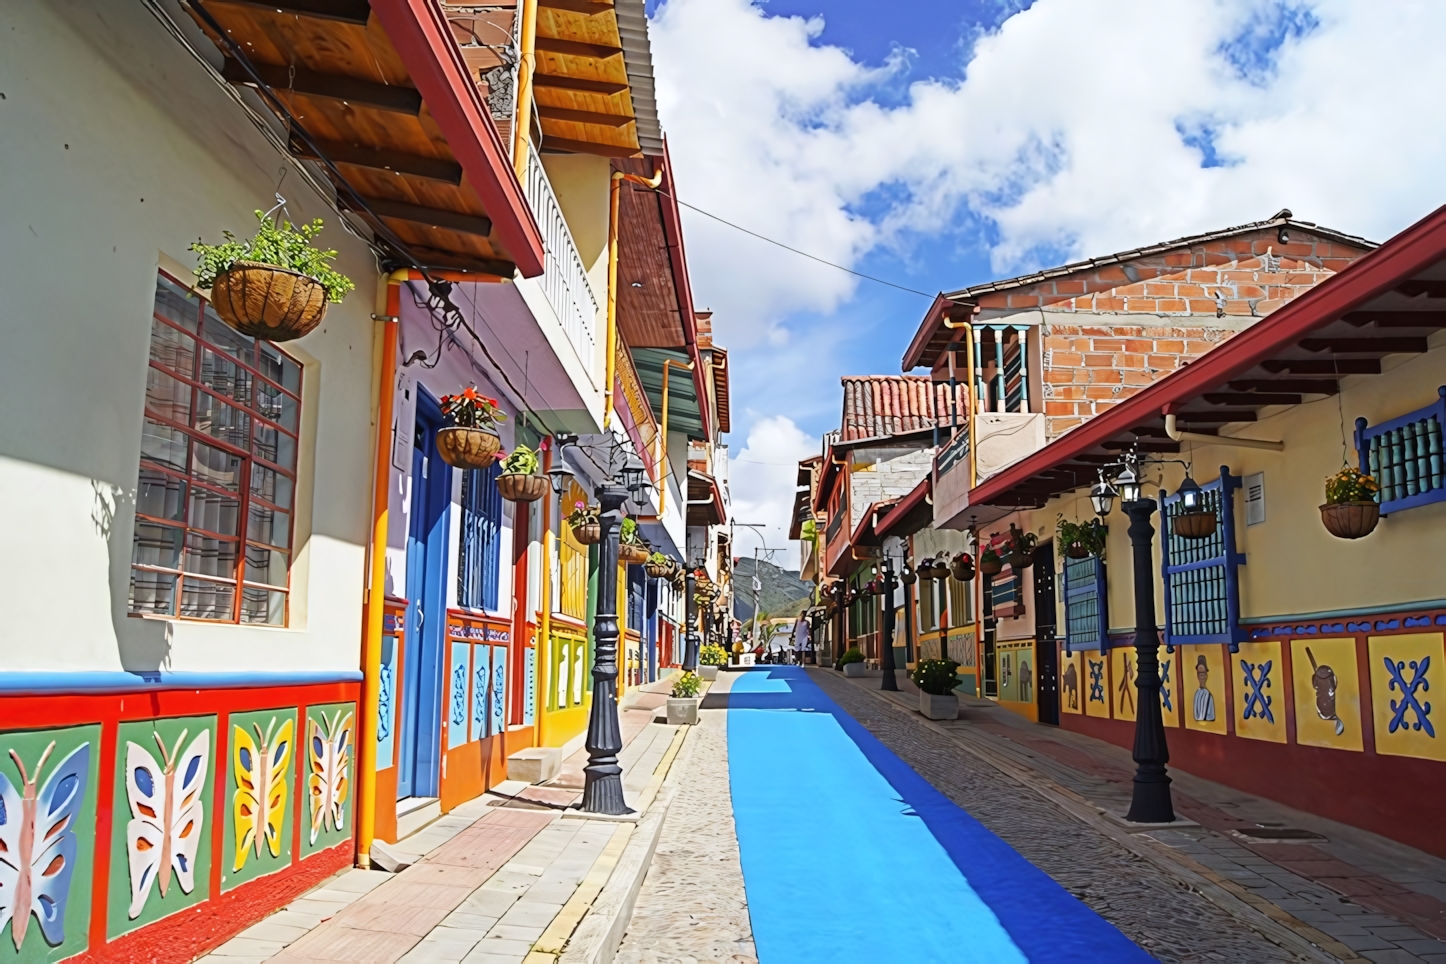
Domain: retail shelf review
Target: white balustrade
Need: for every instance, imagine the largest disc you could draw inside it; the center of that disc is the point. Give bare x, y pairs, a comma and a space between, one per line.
564, 280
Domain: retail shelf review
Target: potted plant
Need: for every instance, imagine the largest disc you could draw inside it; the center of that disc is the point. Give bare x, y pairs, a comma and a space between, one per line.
683, 704
961, 567
519, 481
658, 566
470, 440
586, 527
1351, 510
275, 286
710, 658
1020, 553
940, 570
989, 562
936, 679
632, 550
852, 662
909, 576
1081, 539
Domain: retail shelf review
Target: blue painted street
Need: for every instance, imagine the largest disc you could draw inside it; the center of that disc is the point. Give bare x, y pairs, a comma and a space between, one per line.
849, 855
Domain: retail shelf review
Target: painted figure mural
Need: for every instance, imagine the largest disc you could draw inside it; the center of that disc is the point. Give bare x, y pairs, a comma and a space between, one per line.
1323, 681
38, 839
1071, 686
167, 815
1204, 708
329, 765
259, 803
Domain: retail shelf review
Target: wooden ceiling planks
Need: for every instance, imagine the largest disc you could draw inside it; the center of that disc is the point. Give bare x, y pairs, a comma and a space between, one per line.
581, 87
648, 309
346, 86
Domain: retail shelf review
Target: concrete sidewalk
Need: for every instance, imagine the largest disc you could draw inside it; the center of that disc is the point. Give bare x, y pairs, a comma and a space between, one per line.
1351, 893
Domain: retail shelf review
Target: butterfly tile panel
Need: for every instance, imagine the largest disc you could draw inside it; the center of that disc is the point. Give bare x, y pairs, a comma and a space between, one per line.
328, 763
164, 804
260, 794
46, 900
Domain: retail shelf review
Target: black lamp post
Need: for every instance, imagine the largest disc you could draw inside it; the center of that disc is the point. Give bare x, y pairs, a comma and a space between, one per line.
886, 657
1151, 800
908, 577
690, 618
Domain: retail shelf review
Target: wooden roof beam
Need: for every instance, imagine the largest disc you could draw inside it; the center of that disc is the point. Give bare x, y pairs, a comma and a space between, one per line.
428, 217
563, 82
1397, 319
1250, 398
1323, 366
569, 146
582, 116
394, 162
1416, 287
1303, 386
1371, 345
1220, 415
310, 83
577, 48
586, 7
343, 11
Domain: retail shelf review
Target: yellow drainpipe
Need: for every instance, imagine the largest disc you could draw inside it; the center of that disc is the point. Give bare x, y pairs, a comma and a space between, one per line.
543, 645
614, 186
662, 459
375, 595
969, 380
526, 67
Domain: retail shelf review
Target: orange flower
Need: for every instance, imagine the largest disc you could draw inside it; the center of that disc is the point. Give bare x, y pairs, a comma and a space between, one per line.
470, 394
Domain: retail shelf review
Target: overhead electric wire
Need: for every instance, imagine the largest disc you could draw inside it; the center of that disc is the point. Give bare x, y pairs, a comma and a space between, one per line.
811, 257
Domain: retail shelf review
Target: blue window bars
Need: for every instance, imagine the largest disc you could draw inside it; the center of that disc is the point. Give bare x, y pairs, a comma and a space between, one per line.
1405, 456
1202, 584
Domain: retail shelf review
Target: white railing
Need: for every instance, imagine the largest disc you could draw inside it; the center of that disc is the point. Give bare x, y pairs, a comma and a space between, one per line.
564, 281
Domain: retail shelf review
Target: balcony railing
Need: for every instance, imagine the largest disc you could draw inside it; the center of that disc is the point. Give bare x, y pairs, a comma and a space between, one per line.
956, 453
564, 280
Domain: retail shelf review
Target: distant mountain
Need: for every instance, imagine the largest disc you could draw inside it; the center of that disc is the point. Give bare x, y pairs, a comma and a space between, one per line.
783, 593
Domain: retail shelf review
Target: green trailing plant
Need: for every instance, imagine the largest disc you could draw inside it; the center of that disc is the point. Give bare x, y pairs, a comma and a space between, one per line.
1350, 485
522, 461
1021, 542
628, 535
990, 556
713, 655
657, 559
687, 685
472, 409
1090, 535
937, 677
582, 514
851, 655
280, 244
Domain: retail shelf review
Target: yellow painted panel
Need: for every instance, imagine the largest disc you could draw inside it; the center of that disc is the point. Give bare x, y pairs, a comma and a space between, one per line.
1122, 675
1071, 697
1202, 673
1170, 687
1327, 693
1259, 695
1015, 669
1096, 684
1405, 671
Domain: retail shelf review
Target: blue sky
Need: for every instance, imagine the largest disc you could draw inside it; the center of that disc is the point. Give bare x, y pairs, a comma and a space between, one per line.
941, 144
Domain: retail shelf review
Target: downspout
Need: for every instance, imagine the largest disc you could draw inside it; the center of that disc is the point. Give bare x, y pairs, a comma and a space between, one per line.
614, 186
969, 412
1244, 443
662, 459
526, 67
543, 644
375, 599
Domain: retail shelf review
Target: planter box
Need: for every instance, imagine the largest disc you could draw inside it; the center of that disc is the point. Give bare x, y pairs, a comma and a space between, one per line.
854, 670
708, 672
682, 711
743, 659
939, 707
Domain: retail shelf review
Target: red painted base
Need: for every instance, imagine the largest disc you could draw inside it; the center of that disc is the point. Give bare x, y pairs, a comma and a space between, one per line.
186, 935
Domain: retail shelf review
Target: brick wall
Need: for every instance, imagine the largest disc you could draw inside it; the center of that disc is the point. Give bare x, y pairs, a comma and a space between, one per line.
1108, 332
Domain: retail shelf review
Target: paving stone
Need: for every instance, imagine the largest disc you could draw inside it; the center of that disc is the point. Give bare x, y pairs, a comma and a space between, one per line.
1391, 956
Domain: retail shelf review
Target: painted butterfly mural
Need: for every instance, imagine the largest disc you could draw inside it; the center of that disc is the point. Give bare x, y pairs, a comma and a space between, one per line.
329, 763
167, 815
37, 843
259, 803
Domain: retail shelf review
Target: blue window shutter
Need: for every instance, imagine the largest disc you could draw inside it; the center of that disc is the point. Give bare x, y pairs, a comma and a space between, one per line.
1405, 456
1201, 576
479, 564
1086, 604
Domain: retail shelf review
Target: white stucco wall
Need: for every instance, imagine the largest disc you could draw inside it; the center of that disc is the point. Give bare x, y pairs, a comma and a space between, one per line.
116, 152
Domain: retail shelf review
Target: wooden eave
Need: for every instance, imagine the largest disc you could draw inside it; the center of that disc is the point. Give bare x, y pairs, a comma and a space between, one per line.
382, 90
580, 87
720, 388
705, 500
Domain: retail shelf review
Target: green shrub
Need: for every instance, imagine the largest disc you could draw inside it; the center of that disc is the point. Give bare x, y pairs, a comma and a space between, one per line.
687, 685
852, 655
522, 461
936, 676
281, 245
713, 655
1090, 535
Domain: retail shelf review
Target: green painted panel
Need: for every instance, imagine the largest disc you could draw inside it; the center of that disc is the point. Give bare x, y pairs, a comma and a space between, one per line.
164, 804
260, 790
330, 748
62, 766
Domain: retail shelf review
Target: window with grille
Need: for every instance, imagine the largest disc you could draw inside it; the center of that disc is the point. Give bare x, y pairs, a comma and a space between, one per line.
1405, 455
928, 605
1086, 612
1202, 585
214, 499
479, 560
961, 607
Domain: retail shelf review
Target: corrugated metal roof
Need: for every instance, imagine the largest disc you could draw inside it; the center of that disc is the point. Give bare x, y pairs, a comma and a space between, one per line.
878, 406
637, 54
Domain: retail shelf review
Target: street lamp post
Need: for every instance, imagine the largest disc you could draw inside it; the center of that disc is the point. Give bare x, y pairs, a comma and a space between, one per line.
603, 781
690, 617
886, 657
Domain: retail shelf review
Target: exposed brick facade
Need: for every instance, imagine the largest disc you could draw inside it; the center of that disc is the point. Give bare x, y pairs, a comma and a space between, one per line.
1109, 331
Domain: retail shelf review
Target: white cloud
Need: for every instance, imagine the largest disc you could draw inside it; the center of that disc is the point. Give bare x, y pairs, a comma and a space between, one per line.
1077, 127
761, 483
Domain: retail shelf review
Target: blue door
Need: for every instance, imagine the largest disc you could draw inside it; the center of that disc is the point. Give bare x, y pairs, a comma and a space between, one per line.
421, 688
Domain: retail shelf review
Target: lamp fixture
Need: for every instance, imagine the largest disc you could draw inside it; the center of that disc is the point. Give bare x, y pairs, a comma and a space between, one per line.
1190, 495
1129, 483
1102, 497
559, 475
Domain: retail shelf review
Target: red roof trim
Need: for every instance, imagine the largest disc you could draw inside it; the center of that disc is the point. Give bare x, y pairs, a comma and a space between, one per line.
419, 31
913, 357
673, 233
904, 506
1417, 247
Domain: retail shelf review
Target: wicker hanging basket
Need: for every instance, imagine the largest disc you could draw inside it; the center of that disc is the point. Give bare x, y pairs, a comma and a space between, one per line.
1350, 520
517, 487
991, 567
468, 448
589, 534
1020, 560
268, 302
1077, 550
963, 573
657, 570
632, 554
1194, 525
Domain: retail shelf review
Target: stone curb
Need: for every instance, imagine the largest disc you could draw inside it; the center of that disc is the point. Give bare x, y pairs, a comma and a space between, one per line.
1272, 922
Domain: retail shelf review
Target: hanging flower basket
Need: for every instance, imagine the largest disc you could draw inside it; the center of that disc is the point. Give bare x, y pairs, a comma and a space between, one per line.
267, 302
632, 554
1350, 520
962, 567
522, 488
1021, 548
468, 448
990, 564
908, 577
589, 533
656, 570
1077, 550
1194, 525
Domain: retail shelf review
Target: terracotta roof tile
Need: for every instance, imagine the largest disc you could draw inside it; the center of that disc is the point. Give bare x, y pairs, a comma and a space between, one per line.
877, 406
